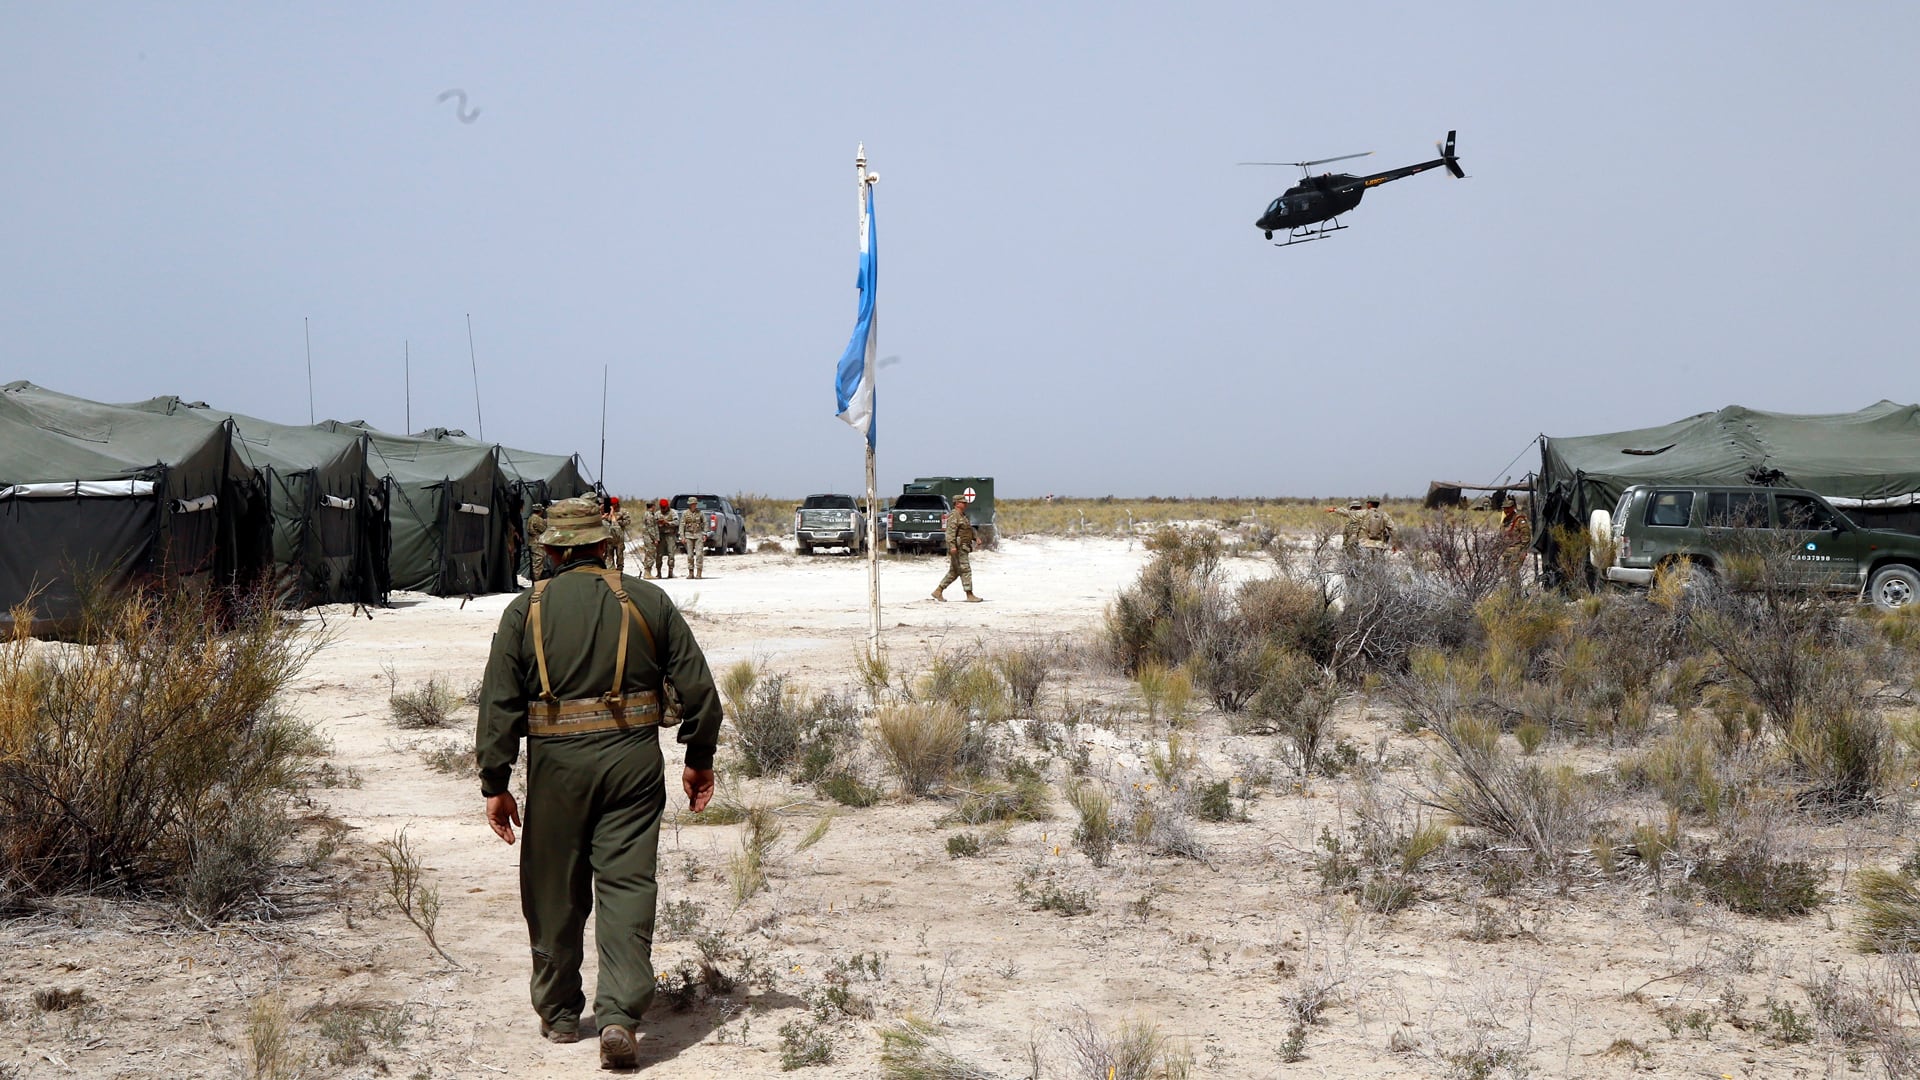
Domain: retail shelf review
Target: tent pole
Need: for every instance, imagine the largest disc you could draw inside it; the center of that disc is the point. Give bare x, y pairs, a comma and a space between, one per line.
477, 418
307, 332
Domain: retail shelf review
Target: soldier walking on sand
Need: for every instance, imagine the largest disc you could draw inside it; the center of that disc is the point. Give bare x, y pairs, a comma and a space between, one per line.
665, 537
1351, 519
693, 534
580, 665
959, 545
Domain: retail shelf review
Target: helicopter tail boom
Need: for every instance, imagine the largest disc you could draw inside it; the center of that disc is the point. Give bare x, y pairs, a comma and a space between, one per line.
1452, 163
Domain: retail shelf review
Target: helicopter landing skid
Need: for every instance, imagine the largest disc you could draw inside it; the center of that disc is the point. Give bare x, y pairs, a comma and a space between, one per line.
1301, 236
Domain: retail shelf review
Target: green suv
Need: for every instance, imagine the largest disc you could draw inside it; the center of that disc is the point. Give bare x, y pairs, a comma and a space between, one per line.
1660, 525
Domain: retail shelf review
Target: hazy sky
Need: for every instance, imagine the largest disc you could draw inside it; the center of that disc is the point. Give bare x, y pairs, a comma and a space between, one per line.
1671, 207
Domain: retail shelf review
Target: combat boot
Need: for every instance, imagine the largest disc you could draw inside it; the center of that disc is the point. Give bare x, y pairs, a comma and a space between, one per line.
972, 599
618, 1049
559, 1035
937, 595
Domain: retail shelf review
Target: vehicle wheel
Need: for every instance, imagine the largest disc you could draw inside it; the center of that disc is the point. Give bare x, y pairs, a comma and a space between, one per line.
1269, 234
892, 548
1599, 536
806, 549
1894, 587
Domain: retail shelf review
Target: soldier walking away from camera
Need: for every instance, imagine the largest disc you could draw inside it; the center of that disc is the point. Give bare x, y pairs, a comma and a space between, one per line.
536, 558
693, 535
666, 536
582, 665
1351, 519
960, 543
649, 535
1376, 529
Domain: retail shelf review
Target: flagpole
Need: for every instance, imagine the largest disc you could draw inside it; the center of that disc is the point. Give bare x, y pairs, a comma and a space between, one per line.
866, 179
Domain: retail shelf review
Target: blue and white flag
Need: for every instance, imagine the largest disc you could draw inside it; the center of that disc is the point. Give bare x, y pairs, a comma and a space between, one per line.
853, 382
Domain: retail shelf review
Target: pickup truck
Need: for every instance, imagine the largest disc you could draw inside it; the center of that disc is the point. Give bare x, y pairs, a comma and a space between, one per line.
916, 520
829, 521
726, 530
1698, 527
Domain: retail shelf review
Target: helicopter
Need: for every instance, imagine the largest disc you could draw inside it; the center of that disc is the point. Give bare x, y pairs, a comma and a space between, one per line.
1311, 209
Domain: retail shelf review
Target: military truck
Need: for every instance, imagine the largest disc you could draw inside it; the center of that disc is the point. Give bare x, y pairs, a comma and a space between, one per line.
981, 513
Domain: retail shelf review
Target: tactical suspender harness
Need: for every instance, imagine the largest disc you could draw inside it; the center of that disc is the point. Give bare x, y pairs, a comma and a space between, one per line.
611, 711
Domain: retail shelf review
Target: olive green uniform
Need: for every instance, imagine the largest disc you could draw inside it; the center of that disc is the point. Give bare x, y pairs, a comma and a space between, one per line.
592, 817
959, 546
693, 534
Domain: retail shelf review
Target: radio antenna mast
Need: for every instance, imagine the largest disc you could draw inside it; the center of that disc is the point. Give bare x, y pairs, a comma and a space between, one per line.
477, 418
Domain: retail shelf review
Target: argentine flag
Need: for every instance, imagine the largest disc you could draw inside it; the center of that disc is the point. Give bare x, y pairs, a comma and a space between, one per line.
853, 382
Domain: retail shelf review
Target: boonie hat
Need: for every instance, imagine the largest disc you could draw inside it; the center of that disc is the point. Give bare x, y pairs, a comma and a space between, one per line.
573, 522
1354, 505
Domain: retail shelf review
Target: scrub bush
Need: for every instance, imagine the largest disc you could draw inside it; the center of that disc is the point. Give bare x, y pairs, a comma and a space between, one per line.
154, 757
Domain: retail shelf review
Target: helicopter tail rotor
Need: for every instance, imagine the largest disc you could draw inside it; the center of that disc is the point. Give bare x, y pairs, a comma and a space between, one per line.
1446, 158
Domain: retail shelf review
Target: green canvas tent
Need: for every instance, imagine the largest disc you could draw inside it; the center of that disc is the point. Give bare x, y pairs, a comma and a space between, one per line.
451, 510
537, 479
1865, 462
94, 496
330, 534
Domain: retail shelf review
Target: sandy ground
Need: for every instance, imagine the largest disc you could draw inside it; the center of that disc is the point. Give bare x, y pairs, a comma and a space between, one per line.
1537, 981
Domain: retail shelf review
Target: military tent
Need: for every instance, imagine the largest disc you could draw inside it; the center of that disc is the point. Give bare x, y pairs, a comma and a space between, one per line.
451, 509
330, 535
94, 497
1865, 462
537, 479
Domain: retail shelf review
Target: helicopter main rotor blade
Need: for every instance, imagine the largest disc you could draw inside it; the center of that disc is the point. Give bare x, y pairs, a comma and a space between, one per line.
1305, 164
1324, 160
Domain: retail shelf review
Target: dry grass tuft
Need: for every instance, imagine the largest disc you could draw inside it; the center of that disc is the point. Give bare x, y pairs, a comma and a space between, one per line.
922, 744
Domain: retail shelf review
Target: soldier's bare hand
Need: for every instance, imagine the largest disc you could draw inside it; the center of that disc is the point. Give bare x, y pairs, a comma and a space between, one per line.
503, 813
699, 786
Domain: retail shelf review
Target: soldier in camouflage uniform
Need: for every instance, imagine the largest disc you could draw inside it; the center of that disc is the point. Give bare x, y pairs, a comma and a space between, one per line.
1352, 518
595, 776
1376, 529
649, 543
622, 523
665, 537
536, 556
960, 543
693, 534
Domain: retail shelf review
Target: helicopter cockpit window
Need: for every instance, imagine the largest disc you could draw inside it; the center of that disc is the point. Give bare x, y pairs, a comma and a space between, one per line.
1277, 206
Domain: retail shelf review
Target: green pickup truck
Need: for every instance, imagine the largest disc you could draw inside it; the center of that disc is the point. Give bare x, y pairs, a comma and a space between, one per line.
1695, 526
917, 519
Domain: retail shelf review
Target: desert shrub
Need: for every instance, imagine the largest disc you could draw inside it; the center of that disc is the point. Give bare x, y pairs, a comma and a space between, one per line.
1386, 617
963, 846
847, 790
1295, 703
1546, 809
428, 705
1684, 767
1025, 796
969, 684
908, 1051
923, 744
1167, 610
1025, 669
1470, 555
1266, 617
1095, 833
1750, 881
1572, 548
1889, 918
1133, 1050
156, 756
781, 730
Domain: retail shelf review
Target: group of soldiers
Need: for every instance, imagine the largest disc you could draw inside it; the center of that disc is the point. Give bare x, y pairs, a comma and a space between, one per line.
1367, 527
660, 534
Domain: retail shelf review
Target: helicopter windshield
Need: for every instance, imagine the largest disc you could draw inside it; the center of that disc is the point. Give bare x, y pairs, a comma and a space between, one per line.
1277, 205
